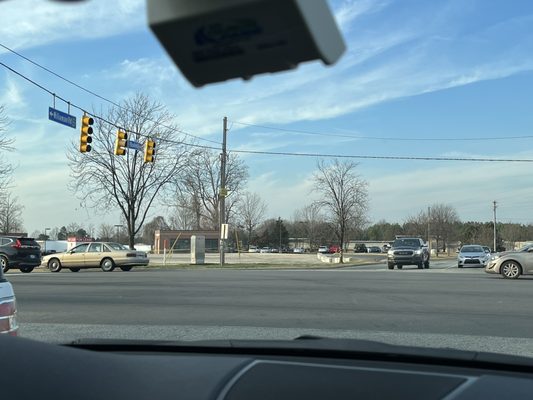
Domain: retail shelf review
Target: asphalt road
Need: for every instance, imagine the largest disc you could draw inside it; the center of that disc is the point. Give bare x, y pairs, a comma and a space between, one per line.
442, 306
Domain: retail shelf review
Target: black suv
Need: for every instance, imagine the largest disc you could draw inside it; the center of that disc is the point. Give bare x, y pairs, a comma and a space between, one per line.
408, 251
19, 252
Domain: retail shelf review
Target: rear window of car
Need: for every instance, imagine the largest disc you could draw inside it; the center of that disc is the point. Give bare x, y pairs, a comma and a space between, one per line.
29, 242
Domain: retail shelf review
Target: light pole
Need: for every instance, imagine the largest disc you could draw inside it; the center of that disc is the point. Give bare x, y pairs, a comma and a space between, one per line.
45, 238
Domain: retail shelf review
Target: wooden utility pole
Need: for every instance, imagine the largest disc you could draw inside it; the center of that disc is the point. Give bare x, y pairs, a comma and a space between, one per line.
223, 191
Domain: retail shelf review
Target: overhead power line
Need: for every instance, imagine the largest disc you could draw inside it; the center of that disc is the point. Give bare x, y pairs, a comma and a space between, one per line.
100, 96
359, 137
82, 109
292, 154
475, 159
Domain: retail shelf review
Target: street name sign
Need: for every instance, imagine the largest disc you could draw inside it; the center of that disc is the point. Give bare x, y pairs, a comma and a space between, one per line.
61, 117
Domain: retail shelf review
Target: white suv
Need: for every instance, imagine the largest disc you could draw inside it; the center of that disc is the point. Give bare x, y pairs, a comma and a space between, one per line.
8, 307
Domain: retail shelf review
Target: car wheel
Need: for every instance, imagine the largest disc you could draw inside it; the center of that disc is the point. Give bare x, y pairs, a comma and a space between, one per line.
511, 270
400, 266
4, 263
54, 265
420, 265
125, 269
107, 265
75, 269
26, 270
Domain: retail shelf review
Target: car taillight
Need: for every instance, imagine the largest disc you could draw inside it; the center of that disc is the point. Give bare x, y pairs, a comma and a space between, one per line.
17, 245
8, 321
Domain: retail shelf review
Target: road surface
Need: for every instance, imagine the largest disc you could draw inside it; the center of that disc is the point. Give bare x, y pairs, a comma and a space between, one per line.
443, 306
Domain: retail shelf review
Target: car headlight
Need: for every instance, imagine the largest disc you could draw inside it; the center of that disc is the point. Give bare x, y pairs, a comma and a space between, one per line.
418, 251
494, 257
390, 252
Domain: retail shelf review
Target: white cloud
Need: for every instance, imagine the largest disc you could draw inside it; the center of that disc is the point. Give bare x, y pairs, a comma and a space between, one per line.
29, 23
350, 10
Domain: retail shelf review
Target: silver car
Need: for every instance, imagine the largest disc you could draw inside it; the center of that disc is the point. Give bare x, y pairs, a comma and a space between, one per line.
472, 255
512, 264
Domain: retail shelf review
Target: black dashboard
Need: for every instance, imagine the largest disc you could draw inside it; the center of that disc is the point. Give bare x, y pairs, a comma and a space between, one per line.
237, 370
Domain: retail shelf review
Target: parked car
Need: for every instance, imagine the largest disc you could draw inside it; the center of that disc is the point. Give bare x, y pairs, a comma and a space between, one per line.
8, 307
323, 249
265, 250
512, 264
253, 249
104, 255
473, 255
360, 248
19, 252
299, 250
334, 249
373, 249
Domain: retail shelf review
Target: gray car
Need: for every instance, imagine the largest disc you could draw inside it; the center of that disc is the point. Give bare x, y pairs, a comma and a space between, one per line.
512, 264
472, 255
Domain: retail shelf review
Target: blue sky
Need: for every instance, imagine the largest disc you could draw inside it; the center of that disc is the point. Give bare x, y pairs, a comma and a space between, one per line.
413, 69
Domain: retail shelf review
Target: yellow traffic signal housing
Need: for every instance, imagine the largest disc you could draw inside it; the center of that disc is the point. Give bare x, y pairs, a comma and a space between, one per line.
149, 151
120, 143
86, 132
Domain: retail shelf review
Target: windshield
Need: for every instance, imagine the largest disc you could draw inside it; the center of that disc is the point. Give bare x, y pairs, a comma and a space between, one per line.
406, 243
472, 249
277, 205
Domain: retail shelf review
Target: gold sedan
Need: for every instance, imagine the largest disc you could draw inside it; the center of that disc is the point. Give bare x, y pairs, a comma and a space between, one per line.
105, 255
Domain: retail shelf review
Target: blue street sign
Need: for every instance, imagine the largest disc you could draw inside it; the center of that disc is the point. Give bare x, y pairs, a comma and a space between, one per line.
61, 117
131, 144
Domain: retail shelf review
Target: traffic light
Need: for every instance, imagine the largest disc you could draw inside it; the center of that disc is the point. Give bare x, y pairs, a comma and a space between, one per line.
149, 151
86, 132
120, 143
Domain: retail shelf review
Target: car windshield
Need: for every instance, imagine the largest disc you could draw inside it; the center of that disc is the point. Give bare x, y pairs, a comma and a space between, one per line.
472, 249
320, 180
406, 243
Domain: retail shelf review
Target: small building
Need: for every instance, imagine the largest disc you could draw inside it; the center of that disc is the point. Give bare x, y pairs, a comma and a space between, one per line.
179, 241
73, 241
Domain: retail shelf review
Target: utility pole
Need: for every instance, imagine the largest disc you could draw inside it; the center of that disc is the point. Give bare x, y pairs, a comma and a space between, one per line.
494, 210
279, 222
429, 239
222, 191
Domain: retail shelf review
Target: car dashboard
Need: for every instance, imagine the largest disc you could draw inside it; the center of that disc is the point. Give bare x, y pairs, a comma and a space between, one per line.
237, 370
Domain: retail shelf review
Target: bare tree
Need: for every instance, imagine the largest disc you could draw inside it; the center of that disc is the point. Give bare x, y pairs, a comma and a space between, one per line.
344, 197
443, 220
126, 182
251, 210
6, 169
185, 214
310, 221
106, 231
149, 229
198, 187
10, 214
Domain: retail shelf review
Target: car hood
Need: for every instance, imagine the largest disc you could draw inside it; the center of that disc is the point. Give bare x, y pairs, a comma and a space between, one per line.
405, 248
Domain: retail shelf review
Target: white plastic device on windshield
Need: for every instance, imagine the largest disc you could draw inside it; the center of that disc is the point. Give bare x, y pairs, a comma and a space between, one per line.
216, 40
